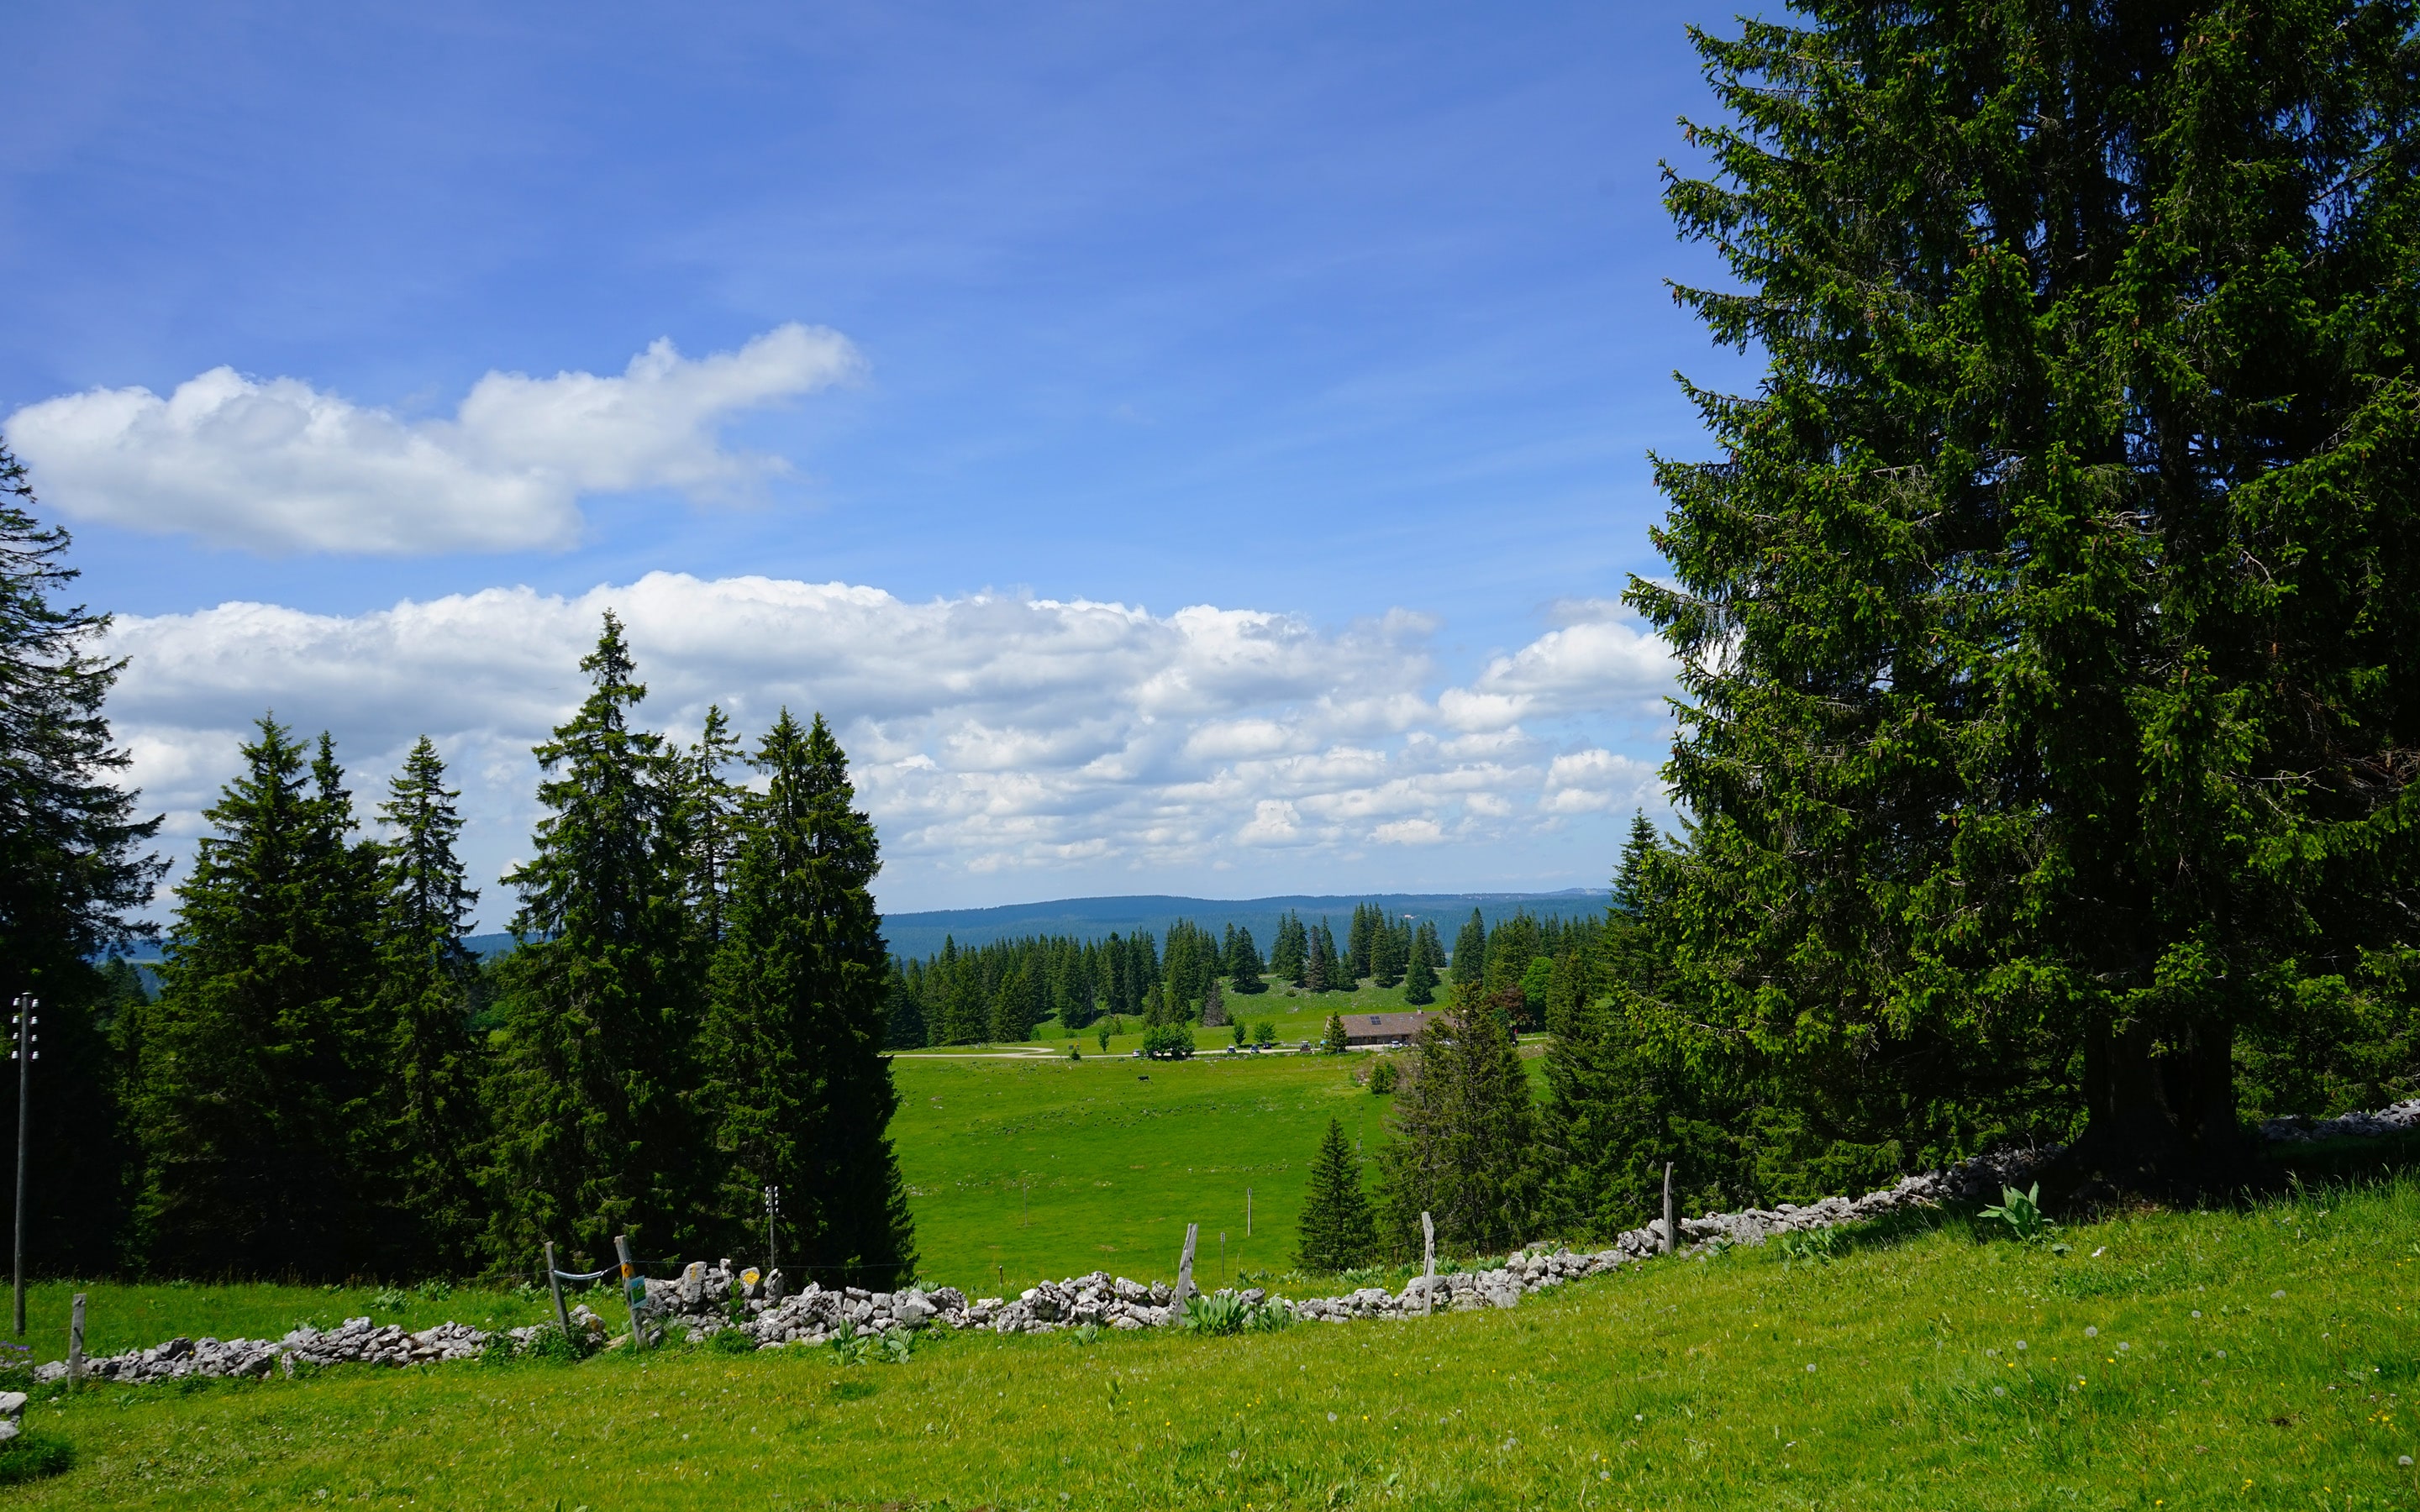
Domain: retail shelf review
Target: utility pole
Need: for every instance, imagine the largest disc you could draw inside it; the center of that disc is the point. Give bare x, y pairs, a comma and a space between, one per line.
23, 1055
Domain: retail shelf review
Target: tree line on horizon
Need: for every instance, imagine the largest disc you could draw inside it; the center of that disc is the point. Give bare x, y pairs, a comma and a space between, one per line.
1007, 990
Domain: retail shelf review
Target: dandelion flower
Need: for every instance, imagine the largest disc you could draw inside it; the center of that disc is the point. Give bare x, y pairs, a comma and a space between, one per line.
1810, 1369
2276, 1296
2092, 1331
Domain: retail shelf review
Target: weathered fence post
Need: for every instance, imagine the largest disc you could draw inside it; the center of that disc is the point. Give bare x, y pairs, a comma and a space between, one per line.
633, 1289
555, 1282
1428, 1264
75, 1342
1672, 1224
1184, 1264
1248, 1213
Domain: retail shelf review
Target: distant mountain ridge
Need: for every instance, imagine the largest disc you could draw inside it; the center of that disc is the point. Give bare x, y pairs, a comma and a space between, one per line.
921, 933
1087, 919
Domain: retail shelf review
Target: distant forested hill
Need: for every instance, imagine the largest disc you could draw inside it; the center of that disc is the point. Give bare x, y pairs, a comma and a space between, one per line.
920, 934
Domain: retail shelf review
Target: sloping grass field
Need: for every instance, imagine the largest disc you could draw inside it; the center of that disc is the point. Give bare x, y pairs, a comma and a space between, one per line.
1932, 1369
2257, 1358
1033, 1169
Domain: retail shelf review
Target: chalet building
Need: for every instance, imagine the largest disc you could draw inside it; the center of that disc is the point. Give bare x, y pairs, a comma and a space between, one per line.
1384, 1029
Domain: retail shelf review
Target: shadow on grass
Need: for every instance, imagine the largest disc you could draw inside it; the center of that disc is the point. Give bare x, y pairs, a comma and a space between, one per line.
2329, 1163
34, 1454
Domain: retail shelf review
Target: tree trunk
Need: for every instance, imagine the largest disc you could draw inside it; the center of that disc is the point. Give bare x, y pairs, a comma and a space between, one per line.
2157, 1121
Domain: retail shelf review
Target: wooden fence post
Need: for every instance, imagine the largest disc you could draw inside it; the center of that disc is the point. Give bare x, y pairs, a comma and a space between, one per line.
633, 1289
1672, 1224
555, 1282
1248, 1213
1184, 1264
75, 1342
1428, 1264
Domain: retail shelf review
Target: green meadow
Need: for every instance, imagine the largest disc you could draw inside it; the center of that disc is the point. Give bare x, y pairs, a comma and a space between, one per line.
2260, 1358
1026, 1169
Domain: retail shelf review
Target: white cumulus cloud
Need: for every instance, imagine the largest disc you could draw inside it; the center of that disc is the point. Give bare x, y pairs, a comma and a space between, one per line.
1593, 666
992, 737
278, 465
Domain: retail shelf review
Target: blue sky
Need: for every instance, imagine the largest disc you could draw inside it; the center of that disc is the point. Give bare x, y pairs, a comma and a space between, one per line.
1346, 323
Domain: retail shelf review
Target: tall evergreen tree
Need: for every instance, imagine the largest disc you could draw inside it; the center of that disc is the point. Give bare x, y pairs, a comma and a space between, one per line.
435, 1121
1361, 939
594, 1081
1464, 1133
903, 1011
1630, 882
1420, 977
796, 1089
1336, 1231
1244, 964
1338, 969
1390, 948
2049, 680
1512, 946
74, 866
1470, 951
710, 820
1291, 950
247, 1098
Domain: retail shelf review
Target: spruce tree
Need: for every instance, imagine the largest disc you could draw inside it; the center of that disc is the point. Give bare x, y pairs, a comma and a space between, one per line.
74, 867
1470, 952
1465, 1131
1630, 879
1338, 971
1361, 939
1332, 1041
1389, 947
797, 1091
246, 1098
709, 819
595, 1080
1244, 964
1336, 1231
1510, 946
2048, 664
1568, 987
1419, 978
436, 1129
1291, 950
903, 1011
